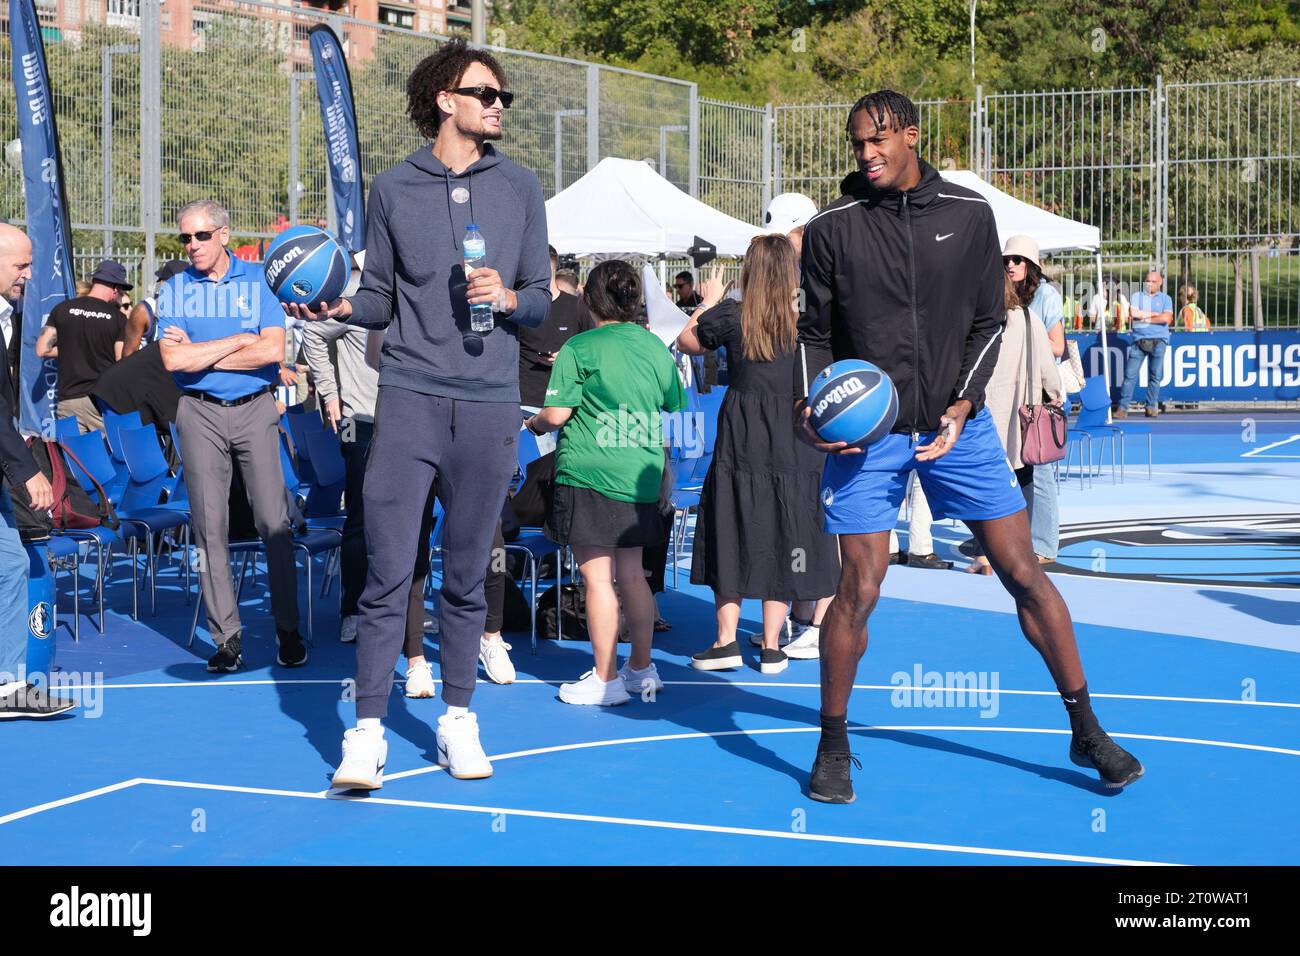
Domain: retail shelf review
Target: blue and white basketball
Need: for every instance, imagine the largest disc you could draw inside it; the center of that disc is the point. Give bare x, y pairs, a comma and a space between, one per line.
306, 265
853, 401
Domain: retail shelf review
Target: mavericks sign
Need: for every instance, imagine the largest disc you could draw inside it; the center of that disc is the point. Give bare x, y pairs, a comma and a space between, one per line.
1208, 366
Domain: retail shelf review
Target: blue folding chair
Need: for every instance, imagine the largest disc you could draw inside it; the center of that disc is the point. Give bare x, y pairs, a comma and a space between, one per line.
1092, 422
326, 495
113, 424
66, 427
91, 465
143, 510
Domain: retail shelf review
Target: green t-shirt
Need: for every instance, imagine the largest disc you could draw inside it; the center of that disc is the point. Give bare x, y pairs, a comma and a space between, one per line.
616, 378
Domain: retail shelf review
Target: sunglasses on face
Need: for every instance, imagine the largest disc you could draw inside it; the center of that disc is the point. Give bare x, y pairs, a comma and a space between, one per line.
679, 285
1014, 260
487, 95
203, 236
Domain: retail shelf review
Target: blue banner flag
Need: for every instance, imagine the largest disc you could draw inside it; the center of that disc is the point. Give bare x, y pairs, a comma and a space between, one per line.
339, 117
52, 280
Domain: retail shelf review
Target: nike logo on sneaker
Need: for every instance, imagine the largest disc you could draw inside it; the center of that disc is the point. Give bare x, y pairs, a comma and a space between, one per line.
939, 238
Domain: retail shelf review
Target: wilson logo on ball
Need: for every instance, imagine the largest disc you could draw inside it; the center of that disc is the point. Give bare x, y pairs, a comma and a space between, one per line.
306, 265
853, 402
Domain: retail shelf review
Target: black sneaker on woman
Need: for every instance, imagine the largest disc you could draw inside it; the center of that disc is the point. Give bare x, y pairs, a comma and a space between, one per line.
226, 660
718, 658
772, 661
291, 652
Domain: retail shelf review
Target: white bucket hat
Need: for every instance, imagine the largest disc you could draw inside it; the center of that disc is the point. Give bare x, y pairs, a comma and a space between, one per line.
1023, 246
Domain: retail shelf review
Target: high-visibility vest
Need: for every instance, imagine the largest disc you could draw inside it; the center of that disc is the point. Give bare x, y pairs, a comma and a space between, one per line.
1194, 319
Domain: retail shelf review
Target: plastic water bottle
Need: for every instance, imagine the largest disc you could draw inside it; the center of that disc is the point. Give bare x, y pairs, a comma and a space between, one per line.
40, 614
475, 249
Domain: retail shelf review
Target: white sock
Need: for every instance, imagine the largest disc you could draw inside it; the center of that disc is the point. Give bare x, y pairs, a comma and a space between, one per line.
12, 688
370, 723
457, 711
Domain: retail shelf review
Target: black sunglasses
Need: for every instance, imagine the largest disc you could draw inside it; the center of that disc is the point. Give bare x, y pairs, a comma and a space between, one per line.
1015, 260
487, 95
203, 236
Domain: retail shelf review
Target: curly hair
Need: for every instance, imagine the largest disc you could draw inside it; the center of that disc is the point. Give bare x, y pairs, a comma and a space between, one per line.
442, 71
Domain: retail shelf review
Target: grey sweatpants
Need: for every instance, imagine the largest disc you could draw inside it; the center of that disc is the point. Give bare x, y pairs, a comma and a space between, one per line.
473, 449
210, 437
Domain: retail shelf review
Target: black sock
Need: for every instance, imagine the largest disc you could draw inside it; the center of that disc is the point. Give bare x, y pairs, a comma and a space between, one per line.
798, 620
835, 734
1079, 706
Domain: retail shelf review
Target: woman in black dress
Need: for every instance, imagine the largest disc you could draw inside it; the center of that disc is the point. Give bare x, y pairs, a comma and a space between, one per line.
759, 532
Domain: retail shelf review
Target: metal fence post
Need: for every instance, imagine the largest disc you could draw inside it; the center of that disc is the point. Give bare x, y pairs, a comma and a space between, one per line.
150, 129
976, 125
768, 121
1157, 200
693, 177
293, 148
593, 116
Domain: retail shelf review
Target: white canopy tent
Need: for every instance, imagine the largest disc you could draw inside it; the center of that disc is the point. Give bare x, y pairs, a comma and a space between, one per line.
623, 207
1053, 233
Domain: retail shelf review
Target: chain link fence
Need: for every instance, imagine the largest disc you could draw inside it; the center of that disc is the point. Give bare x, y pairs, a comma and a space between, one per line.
1202, 179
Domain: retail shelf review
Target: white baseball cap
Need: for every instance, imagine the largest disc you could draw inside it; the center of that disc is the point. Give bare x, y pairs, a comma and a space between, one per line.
787, 212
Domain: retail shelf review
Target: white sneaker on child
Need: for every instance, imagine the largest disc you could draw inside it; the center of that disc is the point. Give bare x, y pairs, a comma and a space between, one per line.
419, 680
494, 654
635, 681
590, 689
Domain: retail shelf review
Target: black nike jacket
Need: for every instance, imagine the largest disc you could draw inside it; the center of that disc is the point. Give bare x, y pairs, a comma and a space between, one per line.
912, 281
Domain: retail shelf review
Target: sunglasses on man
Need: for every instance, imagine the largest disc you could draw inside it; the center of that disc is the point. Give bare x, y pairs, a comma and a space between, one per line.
203, 236
487, 95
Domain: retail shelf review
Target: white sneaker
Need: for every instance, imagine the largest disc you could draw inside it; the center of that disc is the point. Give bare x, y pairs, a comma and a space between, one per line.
635, 681
590, 689
364, 754
496, 660
459, 750
419, 680
807, 645
348, 628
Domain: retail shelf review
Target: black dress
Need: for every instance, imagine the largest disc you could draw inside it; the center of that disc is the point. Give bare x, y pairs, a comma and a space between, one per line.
759, 532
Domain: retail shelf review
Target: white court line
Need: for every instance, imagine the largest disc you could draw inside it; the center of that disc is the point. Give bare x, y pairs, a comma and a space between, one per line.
652, 824
76, 798
717, 683
660, 824
1277, 444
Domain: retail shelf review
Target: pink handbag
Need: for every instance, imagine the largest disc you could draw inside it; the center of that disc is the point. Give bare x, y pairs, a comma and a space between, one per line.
1043, 427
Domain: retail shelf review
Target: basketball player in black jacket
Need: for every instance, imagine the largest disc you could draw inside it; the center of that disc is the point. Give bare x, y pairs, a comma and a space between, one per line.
905, 271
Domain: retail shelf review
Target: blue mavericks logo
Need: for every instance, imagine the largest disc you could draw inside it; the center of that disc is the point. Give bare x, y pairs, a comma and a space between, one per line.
38, 622
1259, 550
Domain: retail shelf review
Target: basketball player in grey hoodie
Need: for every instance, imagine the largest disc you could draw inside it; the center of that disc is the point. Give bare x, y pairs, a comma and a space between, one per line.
448, 401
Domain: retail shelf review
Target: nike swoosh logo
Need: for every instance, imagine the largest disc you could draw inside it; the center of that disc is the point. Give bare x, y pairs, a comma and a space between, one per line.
939, 238
1069, 700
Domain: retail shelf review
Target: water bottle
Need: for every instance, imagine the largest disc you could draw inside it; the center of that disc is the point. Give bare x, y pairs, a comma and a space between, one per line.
475, 249
40, 614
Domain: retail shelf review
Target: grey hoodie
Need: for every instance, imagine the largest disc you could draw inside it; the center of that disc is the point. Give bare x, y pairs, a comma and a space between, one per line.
414, 282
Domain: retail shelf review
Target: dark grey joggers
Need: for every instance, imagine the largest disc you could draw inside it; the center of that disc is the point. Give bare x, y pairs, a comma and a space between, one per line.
472, 448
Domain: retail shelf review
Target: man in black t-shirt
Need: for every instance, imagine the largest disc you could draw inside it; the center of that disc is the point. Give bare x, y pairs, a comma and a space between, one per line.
85, 335
538, 347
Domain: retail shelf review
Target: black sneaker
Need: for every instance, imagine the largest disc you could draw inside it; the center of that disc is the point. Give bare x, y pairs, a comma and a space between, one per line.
772, 661
31, 701
292, 652
898, 557
718, 658
226, 660
932, 561
831, 781
1115, 765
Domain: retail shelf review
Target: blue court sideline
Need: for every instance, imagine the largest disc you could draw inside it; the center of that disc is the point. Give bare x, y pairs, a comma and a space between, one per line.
1182, 588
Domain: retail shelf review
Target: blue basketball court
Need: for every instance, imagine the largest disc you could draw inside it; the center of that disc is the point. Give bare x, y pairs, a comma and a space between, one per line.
1182, 587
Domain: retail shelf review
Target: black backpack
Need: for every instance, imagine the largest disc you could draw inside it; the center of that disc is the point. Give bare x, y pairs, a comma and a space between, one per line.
72, 510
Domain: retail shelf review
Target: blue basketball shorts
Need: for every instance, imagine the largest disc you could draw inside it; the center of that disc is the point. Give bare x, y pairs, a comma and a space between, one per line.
861, 494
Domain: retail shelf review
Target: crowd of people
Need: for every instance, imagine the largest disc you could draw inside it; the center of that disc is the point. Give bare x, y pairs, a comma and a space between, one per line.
431, 415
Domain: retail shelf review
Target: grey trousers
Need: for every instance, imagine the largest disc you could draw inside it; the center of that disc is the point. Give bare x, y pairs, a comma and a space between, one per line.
211, 436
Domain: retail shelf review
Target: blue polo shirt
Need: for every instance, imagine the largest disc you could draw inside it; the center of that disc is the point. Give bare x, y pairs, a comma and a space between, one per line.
207, 309
1160, 302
